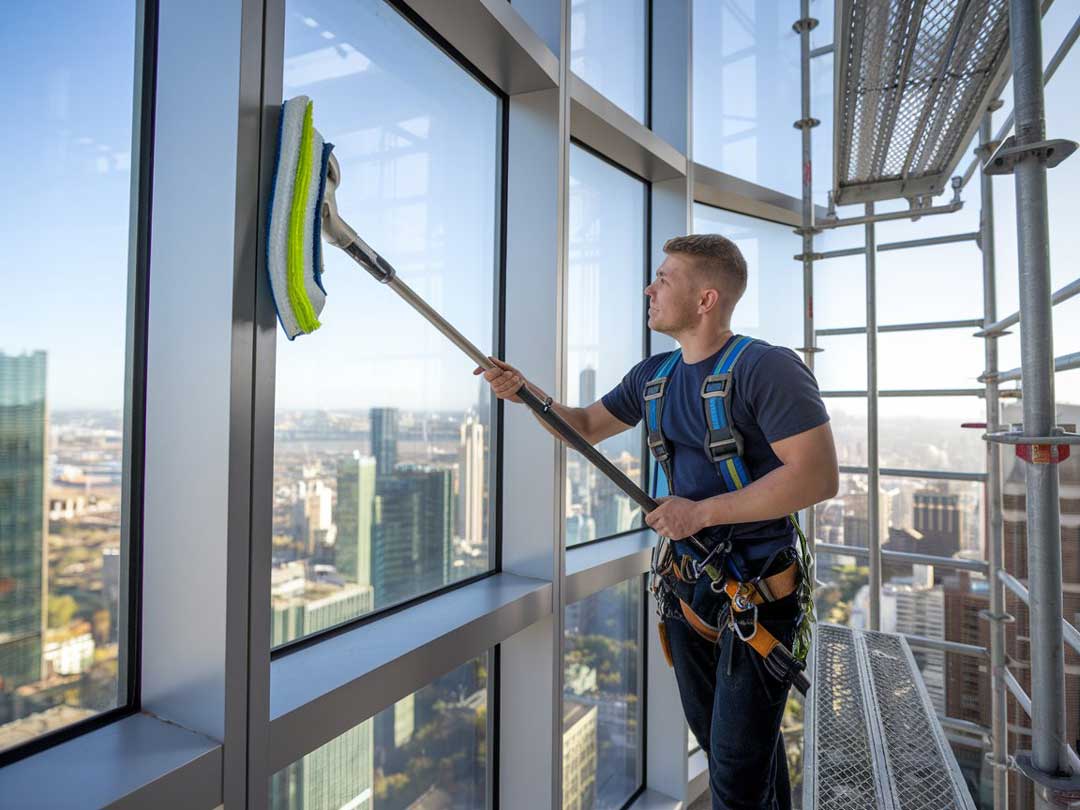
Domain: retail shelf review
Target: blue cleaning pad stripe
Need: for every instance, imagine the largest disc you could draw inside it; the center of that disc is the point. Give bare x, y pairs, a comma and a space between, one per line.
327, 149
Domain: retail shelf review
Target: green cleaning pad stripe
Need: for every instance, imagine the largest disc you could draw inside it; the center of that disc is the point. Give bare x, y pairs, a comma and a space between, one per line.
298, 298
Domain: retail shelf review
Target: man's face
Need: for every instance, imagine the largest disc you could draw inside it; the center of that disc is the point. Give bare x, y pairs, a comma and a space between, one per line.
674, 296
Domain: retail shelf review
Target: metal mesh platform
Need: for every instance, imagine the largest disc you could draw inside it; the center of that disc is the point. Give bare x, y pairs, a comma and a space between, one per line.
912, 80
871, 737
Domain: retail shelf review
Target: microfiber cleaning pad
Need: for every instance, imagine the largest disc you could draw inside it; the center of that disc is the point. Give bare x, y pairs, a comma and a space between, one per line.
294, 239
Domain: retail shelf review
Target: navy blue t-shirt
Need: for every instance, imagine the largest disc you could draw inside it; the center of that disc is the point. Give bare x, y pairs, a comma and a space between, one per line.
773, 396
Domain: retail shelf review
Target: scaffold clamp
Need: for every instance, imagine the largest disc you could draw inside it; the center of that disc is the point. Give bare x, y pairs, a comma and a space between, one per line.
1004, 160
1052, 449
1060, 790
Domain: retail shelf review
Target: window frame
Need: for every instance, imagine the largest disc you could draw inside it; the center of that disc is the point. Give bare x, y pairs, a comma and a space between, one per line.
136, 313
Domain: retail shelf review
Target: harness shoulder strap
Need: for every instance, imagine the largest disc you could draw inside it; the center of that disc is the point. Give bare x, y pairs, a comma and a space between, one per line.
723, 443
662, 479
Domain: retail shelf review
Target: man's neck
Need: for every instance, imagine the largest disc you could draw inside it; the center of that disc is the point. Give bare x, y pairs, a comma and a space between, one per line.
699, 344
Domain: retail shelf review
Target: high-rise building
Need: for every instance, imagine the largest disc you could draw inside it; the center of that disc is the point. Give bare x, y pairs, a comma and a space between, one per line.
23, 532
967, 679
341, 772
110, 584
414, 519
939, 517
318, 521
920, 611
354, 517
587, 387
579, 755
384, 436
472, 480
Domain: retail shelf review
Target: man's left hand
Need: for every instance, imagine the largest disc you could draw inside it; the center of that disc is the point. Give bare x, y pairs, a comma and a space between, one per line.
676, 518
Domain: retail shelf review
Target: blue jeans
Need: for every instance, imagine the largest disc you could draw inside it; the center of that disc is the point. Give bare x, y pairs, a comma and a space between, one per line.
734, 708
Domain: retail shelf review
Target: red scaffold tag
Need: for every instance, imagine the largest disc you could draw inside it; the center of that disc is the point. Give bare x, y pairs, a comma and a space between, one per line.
1042, 453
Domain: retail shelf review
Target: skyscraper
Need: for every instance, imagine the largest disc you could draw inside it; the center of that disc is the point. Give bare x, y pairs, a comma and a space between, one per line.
384, 435
579, 755
939, 517
472, 480
341, 772
414, 519
967, 679
23, 554
587, 387
354, 517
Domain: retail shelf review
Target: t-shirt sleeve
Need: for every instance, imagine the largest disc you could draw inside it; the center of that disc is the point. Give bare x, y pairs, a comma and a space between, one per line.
783, 395
626, 400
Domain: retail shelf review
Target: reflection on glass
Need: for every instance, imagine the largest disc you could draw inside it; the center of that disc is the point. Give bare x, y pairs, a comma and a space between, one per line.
62, 363
607, 49
383, 437
426, 752
746, 91
602, 699
767, 248
605, 332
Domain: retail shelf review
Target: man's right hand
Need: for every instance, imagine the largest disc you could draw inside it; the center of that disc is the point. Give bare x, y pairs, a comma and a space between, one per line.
504, 379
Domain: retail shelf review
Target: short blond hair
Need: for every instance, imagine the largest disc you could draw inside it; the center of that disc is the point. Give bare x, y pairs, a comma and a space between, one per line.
716, 257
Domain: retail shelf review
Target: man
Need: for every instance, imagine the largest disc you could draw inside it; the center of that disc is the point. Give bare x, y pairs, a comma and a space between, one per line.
733, 703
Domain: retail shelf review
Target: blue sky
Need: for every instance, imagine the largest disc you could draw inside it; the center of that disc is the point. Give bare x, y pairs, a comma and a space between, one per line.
65, 226
417, 138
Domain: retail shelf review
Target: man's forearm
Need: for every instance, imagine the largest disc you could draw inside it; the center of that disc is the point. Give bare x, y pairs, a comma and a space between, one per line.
779, 493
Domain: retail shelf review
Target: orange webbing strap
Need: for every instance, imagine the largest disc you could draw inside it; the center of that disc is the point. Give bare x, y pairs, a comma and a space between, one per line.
762, 640
699, 625
665, 644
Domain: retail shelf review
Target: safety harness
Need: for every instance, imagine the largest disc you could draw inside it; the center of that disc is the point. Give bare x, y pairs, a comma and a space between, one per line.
690, 585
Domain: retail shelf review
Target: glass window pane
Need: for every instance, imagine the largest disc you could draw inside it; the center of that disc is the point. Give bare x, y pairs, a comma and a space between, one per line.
608, 47
746, 91
605, 332
428, 750
924, 433
767, 248
936, 358
839, 292
383, 437
602, 699
841, 365
939, 283
847, 418
927, 516
62, 362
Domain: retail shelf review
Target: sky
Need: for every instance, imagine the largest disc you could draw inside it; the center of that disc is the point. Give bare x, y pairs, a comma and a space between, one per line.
417, 138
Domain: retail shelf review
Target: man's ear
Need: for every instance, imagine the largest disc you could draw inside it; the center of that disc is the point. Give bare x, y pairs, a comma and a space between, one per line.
708, 301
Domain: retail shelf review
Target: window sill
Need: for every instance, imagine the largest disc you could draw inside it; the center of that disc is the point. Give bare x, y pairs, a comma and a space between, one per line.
321, 691
137, 762
592, 568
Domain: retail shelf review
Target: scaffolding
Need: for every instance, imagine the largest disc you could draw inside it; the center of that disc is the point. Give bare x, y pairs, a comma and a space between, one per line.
915, 81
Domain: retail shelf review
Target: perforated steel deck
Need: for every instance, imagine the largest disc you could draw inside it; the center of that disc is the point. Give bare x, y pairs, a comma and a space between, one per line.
912, 80
871, 737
